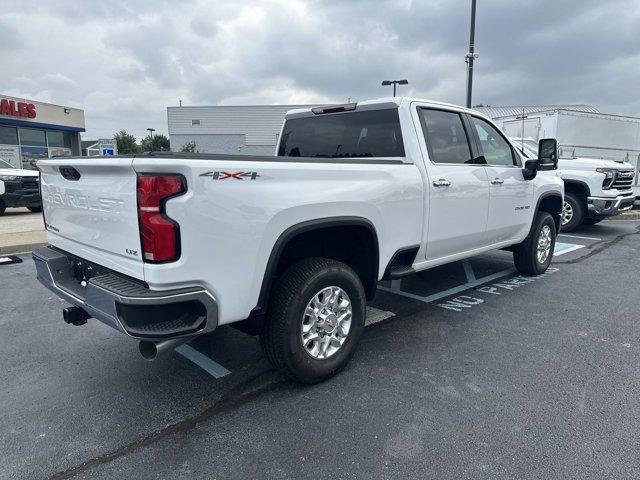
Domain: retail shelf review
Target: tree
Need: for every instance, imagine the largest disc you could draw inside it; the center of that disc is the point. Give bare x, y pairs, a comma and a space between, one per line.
190, 147
126, 142
160, 143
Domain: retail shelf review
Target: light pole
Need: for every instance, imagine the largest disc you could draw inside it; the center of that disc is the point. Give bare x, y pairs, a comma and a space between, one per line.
151, 130
394, 83
471, 56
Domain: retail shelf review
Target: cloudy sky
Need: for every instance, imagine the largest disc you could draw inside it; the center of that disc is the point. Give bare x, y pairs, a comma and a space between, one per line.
124, 62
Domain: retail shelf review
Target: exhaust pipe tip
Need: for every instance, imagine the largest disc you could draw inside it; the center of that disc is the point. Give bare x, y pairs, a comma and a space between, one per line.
148, 350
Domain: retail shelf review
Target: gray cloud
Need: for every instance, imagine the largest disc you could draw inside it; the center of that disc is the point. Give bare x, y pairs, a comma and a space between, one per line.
124, 61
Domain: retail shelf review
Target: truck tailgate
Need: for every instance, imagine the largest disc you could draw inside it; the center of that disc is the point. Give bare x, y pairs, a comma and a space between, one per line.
90, 210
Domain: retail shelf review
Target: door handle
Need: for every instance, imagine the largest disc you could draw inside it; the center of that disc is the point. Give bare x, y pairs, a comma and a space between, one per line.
497, 181
441, 183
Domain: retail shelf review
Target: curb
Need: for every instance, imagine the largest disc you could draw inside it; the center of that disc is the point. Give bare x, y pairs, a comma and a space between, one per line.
17, 249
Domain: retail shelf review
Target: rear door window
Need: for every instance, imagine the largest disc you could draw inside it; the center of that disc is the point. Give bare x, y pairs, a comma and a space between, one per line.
371, 133
446, 137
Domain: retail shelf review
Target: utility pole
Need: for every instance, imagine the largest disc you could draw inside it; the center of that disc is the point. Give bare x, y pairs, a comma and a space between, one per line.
471, 56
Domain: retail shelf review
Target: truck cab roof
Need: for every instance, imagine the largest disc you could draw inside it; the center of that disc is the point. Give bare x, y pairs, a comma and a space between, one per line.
378, 103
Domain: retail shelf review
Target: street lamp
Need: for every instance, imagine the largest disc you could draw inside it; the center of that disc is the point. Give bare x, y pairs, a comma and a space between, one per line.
394, 83
151, 130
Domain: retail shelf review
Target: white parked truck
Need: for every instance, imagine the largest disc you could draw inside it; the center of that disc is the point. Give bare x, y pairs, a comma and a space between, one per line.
19, 188
166, 246
594, 188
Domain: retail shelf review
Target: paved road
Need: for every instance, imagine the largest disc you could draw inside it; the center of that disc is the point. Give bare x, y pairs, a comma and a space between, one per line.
517, 378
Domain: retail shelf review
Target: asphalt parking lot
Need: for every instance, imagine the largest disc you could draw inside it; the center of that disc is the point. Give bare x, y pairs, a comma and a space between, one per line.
471, 371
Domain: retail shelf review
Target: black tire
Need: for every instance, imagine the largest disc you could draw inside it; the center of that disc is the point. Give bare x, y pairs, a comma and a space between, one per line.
578, 208
2, 206
280, 338
525, 254
35, 209
592, 221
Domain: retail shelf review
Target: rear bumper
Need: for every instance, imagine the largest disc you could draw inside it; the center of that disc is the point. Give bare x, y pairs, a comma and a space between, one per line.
126, 304
610, 205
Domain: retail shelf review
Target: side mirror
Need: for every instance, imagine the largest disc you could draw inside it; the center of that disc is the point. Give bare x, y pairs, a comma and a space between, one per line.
530, 170
548, 154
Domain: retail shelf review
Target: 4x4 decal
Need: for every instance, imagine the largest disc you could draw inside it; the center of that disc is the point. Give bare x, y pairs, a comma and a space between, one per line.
233, 175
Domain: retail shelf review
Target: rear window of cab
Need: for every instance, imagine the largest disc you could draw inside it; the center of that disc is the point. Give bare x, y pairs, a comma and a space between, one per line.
370, 133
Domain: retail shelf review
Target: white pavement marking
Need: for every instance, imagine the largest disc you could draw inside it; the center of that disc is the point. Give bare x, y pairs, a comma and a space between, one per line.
212, 368
578, 236
450, 291
468, 271
375, 315
565, 248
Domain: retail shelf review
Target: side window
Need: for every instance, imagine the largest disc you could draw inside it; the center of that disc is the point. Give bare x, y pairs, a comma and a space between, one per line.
495, 148
446, 137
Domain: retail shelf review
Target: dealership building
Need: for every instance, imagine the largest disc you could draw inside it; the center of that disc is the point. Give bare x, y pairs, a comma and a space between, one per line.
254, 129
30, 131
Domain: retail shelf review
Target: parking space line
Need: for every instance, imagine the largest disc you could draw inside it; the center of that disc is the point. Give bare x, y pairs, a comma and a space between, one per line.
580, 237
212, 368
562, 248
450, 291
468, 271
375, 315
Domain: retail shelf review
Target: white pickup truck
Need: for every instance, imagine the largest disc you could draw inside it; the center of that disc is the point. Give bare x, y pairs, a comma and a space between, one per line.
165, 246
595, 188
19, 188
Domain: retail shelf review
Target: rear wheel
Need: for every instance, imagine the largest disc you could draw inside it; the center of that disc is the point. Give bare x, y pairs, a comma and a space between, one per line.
2, 206
316, 317
573, 211
533, 256
35, 209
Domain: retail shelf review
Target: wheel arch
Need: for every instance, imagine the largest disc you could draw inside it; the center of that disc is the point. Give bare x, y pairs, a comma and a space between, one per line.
365, 262
577, 187
551, 202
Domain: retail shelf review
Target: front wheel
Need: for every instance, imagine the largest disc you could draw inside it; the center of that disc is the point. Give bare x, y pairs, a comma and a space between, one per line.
316, 316
572, 212
533, 256
35, 209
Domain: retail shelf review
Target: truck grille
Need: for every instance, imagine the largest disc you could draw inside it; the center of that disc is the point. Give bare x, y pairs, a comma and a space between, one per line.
29, 183
623, 180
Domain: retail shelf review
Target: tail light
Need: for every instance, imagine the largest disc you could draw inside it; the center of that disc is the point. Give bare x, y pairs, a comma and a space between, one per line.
159, 235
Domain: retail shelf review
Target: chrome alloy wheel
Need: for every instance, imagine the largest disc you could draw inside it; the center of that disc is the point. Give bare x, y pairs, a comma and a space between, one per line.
567, 212
544, 244
326, 322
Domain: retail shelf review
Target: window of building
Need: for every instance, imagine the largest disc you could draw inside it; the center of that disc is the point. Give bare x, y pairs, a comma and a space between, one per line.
495, 148
8, 136
195, 122
32, 137
446, 137
59, 138
373, 133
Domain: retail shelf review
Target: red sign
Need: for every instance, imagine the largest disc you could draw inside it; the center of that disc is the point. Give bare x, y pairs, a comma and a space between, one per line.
19, 109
